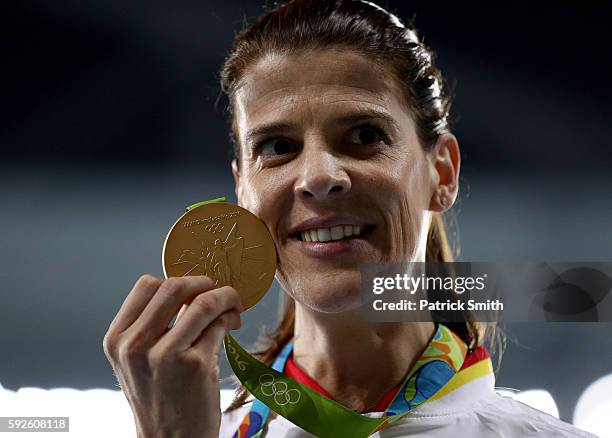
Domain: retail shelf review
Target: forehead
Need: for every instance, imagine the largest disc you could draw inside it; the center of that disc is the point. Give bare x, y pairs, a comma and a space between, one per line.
332, 77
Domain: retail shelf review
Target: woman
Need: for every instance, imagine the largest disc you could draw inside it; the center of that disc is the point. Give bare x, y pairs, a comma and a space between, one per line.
342, 147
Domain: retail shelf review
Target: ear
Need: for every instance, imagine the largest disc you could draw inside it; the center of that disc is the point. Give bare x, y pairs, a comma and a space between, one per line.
237, 181
445, 161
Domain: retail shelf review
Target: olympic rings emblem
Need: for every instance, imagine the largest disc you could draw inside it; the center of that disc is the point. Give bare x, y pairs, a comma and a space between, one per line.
279, 390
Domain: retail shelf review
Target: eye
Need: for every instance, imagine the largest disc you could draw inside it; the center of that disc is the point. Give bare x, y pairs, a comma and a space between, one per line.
366, 134
276, 146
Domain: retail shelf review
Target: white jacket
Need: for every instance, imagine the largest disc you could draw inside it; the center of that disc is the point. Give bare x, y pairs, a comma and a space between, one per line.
473, 410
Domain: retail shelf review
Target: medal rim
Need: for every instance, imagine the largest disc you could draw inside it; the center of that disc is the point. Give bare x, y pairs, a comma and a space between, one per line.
269, 235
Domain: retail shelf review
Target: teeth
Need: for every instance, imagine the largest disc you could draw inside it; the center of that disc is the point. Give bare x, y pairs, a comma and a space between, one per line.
324, 234
337, 232
334, 233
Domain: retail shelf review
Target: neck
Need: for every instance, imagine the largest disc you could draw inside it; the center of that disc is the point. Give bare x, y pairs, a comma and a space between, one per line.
355, 360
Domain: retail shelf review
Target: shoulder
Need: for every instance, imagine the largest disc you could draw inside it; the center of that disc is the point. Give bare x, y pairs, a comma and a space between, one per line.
492, 416
527, 420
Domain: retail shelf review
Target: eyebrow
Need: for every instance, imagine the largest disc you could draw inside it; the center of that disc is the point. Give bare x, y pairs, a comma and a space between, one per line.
355, 117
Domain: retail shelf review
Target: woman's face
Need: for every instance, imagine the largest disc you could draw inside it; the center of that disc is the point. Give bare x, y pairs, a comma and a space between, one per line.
328, 149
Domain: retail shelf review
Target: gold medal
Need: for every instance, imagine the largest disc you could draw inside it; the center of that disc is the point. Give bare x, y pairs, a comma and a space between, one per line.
226, 243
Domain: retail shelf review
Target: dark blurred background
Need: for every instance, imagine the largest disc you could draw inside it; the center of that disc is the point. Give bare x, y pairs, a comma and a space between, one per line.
108, 129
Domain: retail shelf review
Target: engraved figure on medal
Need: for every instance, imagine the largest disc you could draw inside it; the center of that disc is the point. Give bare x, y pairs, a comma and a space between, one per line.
222, 260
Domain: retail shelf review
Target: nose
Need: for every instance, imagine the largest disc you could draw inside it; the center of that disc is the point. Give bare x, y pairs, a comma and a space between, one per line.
322, 178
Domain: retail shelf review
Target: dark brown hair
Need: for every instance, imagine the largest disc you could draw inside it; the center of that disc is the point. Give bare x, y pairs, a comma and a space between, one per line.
364, 28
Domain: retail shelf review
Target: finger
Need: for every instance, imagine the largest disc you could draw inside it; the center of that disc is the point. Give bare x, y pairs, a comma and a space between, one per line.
203, 310
170, 296
210, 340
138, 298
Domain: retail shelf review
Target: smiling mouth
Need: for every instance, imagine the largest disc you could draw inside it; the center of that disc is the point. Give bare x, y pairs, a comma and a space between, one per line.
330, 234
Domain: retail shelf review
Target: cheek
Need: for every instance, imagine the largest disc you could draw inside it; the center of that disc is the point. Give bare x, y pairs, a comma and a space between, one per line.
404, 210
262, 194
407, 225
268, 196
251, 197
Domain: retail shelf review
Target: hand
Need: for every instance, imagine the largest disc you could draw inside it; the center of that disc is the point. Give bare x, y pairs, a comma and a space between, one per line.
170, 376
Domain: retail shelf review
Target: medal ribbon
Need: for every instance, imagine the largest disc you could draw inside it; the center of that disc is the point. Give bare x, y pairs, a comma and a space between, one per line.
326, 418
